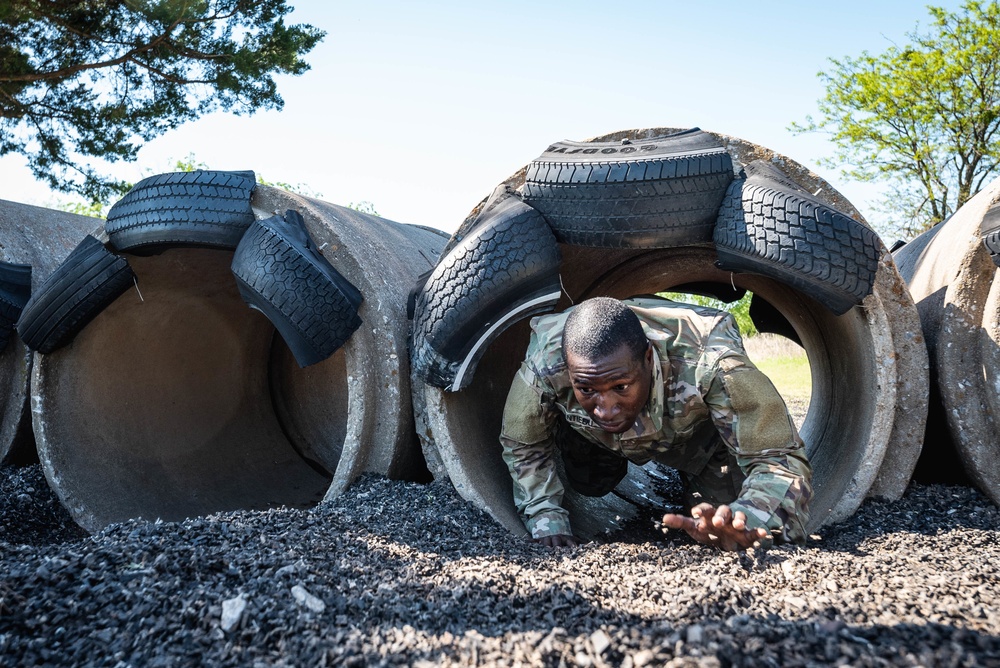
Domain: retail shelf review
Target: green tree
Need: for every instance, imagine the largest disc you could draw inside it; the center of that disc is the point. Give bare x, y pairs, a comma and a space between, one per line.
740, 309
922, 117
364, 206
82, 80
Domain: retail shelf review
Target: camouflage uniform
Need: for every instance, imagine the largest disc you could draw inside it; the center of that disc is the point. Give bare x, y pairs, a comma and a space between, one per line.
711, 414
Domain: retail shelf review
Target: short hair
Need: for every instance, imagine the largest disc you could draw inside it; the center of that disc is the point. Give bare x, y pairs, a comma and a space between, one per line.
599, 327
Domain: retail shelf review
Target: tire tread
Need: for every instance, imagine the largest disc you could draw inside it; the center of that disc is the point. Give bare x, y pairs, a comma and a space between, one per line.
88, 280
313, 314
770, 227
201, 208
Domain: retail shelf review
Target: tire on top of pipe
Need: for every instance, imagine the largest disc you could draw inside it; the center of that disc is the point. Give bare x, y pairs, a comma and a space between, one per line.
505, 270
953, 279
769, 225
280, 273
15, 291
89, 279
868, 365
643, 193
187, 401
38, 238
202, 208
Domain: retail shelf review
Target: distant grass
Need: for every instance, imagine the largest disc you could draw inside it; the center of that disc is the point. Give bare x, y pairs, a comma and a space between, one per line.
784, 362
789, 374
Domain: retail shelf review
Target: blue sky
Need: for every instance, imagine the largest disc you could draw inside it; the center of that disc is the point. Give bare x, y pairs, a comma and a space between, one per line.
423, 107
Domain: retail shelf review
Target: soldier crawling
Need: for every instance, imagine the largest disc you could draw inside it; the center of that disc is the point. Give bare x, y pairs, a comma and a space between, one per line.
608, 382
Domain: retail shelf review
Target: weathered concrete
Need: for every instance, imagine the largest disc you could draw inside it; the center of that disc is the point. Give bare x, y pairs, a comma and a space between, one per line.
869, 369
953, 281
183, 401
41, 238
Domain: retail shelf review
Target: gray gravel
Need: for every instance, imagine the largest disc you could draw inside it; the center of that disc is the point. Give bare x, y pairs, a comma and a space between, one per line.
398, 573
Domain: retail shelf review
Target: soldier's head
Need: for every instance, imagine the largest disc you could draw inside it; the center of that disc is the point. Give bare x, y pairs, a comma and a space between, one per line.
609, 361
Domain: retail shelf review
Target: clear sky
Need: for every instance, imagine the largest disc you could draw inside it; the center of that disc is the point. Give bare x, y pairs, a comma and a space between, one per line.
423, 107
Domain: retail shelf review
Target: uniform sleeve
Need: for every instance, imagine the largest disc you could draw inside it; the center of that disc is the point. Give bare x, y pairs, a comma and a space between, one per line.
753, 420
528, 450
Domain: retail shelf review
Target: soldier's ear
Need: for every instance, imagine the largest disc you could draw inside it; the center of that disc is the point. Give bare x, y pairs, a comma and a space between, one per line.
649, 353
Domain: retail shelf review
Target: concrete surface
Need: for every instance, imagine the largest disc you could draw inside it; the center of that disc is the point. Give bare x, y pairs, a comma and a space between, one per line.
41, 238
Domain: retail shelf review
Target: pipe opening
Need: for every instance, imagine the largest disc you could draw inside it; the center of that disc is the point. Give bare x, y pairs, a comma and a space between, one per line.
839, 361
768, 337
185, 401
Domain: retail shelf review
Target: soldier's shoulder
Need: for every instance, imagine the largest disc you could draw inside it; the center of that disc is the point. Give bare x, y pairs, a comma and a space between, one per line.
676, 320
545, 347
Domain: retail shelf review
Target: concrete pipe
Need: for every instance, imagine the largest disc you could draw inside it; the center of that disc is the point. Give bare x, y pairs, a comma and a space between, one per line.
954, 283
868, 366
41, 238
179, 400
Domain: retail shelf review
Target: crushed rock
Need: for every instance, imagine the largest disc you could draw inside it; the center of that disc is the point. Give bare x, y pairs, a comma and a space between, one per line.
395, 573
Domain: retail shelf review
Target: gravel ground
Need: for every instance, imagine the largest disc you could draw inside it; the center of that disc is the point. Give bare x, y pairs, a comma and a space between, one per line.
398, 573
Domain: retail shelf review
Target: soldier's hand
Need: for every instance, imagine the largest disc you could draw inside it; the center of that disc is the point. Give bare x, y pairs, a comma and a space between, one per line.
719, 527
560, 540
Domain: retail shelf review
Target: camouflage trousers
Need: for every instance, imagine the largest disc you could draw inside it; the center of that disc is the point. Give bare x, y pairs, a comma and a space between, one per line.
708, 470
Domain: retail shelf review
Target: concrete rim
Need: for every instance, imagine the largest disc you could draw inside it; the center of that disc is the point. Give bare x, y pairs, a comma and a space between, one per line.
967, 344
41, 238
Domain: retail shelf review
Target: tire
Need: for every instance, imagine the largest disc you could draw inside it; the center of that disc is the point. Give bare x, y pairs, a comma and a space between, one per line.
201, 209
280, 273
505, 270
770, 226
990, 231
15, 290
87, 281
650, 193
500, 195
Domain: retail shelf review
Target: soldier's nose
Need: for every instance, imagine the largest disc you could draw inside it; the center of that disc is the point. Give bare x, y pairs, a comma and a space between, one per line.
604, 409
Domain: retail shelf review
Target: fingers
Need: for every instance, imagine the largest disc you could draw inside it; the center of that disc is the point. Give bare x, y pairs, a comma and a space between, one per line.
703, 510
717, 526
679, 522
722, 517
560, 540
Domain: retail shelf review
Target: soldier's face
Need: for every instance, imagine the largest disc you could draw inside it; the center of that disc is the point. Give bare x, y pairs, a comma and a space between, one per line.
612, 389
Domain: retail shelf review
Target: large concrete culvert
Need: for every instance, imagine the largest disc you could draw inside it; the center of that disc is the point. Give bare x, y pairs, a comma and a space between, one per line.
179, 400
40, 238
869, 367
954, 282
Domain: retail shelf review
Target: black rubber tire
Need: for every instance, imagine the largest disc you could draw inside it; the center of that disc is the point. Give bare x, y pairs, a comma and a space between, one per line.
280, 273
88, 280
650, 193
500, 194
770, 226
505, 270
201, 209
990, 231
15, 291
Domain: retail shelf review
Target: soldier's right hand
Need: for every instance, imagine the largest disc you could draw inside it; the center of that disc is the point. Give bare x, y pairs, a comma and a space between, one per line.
561, 540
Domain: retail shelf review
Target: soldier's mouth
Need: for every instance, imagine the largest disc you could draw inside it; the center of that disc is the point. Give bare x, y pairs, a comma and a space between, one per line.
613, 427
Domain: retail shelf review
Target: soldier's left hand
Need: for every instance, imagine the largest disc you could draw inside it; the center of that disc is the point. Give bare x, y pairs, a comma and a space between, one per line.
719, 527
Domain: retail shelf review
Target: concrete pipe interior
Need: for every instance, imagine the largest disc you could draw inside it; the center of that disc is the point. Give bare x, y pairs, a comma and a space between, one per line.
165, 401
837, 428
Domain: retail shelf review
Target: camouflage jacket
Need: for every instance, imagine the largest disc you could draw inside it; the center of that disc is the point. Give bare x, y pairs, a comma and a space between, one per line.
701, 373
